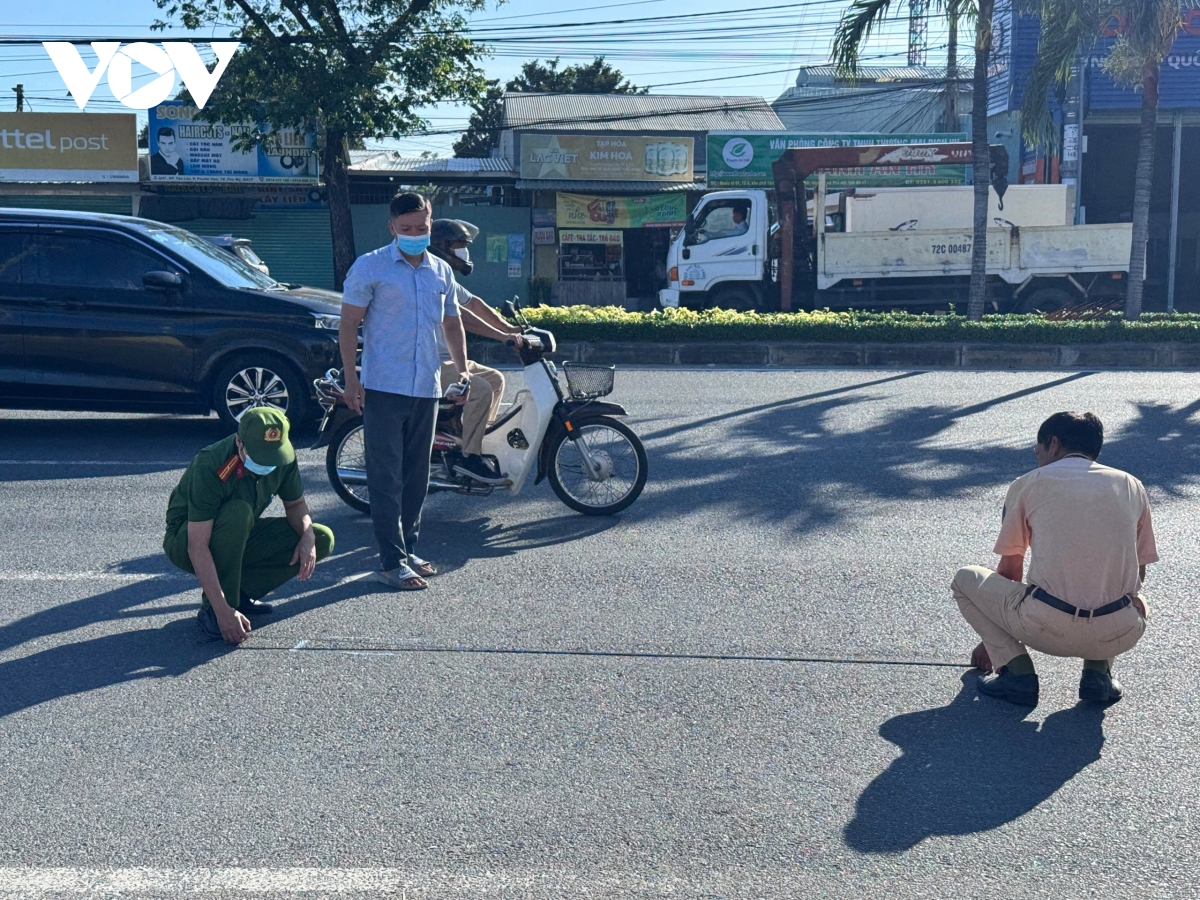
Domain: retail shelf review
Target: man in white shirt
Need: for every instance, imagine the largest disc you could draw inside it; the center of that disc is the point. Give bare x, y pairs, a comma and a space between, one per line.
1089, 532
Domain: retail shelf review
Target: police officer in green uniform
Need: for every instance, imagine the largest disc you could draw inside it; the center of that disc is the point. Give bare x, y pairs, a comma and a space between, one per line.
214, 529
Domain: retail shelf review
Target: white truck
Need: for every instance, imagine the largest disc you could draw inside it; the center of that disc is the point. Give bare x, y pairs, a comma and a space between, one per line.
890, 247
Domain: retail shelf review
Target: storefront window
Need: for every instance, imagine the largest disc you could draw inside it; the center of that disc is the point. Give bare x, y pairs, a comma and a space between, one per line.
591, 256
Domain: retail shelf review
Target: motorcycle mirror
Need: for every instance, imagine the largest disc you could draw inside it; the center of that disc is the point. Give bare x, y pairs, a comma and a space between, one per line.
510, 311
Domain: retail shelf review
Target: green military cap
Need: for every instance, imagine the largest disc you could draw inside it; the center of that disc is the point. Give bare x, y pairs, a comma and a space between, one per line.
264, 434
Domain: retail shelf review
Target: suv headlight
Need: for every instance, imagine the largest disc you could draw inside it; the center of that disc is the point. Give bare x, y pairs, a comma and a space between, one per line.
327, 322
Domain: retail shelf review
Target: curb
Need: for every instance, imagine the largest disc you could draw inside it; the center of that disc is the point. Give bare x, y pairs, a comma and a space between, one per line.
932, 356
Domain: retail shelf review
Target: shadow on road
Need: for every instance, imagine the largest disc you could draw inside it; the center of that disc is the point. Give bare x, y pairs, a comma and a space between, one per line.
798, 462
970, 767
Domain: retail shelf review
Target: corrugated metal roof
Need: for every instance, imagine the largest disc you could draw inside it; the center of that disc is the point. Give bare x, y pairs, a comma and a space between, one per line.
812, 75
389, 162
624, 187
648, 113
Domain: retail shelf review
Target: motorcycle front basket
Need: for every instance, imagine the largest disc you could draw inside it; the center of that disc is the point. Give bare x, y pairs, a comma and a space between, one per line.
586, 382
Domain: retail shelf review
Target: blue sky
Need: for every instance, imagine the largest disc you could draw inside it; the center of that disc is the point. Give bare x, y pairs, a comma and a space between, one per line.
674, 58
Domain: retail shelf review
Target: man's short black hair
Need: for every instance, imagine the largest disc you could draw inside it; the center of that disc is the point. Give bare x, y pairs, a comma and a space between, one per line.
166, 132
1076, 432
406, 202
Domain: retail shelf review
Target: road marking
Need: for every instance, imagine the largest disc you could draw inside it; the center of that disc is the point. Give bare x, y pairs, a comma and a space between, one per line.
366, 647
133, 463
136, 463
92, 576
317, 578
174, 882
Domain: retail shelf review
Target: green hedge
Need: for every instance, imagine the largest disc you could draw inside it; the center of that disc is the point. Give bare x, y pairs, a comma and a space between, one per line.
611, 323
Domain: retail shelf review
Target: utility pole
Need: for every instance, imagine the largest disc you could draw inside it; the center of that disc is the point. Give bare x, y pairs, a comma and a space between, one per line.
20, 89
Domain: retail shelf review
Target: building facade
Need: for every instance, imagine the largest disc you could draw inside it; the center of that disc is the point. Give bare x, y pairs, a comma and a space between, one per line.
1097, 122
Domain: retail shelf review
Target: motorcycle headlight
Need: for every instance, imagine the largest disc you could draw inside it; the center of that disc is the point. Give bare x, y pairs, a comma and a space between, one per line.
327, 322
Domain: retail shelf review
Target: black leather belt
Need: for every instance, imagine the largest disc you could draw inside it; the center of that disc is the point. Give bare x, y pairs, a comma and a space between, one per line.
1051, 600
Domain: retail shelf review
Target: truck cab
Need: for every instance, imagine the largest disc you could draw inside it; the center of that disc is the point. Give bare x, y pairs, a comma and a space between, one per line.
720, 258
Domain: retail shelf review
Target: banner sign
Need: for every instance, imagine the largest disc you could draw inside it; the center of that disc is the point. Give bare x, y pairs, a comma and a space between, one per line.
610, 238
654, 211
743, 160
183, 148
68, 147
594, 157
543, 236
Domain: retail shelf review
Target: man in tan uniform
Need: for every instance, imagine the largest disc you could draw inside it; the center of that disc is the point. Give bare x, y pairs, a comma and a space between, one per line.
1088, 529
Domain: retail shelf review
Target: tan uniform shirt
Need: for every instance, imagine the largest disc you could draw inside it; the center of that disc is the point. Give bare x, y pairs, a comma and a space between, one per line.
1087, 527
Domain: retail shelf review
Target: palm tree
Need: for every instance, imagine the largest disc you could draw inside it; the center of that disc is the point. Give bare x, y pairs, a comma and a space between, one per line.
1147, 30
853, 31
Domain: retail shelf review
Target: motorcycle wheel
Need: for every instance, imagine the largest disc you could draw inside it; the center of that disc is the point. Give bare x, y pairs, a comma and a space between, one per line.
620, 453
346, 465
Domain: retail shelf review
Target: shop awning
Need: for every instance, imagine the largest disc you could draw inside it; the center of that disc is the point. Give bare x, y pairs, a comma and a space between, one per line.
609, 187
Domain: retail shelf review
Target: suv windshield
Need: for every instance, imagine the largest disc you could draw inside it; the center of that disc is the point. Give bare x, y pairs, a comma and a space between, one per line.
225, 267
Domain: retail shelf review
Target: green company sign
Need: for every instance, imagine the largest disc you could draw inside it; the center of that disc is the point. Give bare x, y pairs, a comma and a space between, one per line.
743, 159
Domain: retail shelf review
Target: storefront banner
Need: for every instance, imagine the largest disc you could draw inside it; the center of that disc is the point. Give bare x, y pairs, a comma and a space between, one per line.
655, 211
594, 157
68, 147
543, 218
543, 236
611, 238
743, 160
183, 148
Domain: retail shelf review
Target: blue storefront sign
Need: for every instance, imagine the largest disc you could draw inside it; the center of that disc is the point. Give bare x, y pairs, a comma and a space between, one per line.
1016, 39
186, 149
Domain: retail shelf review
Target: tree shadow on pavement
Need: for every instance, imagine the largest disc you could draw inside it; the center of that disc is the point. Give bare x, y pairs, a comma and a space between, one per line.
970, 767
818, 463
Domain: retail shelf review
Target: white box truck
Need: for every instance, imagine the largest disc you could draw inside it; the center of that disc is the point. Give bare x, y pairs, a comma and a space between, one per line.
893, 247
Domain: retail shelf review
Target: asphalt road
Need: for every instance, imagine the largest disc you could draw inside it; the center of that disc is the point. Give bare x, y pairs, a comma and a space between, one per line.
550, 719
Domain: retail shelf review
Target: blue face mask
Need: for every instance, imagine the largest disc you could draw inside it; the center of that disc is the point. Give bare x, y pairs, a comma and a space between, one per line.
413, 245
254, 467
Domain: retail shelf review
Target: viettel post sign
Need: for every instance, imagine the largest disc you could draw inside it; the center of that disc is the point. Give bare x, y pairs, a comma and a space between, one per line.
743, 160
48, 147
603, 157
654, 211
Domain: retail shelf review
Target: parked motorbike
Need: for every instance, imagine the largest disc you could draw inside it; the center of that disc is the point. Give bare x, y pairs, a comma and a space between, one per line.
596, 464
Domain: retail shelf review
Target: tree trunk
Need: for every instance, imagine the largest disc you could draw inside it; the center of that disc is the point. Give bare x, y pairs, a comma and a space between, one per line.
982, 161
1142, 180
337, 183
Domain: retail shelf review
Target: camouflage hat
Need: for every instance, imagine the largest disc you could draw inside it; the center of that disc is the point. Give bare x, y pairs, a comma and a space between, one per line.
264, 434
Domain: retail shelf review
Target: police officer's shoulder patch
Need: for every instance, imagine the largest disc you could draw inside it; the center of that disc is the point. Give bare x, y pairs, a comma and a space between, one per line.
228, 467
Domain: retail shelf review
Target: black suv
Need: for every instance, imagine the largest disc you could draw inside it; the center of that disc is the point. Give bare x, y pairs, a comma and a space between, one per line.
101, 312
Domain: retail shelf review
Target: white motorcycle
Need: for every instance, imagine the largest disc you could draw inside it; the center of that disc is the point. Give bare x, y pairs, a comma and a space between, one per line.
595, 463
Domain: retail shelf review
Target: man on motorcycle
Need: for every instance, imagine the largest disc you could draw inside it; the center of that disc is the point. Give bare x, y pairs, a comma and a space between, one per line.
449, 240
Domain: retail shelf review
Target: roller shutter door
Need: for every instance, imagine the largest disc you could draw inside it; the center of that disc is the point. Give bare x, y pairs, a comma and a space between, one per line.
295, 244
120, 206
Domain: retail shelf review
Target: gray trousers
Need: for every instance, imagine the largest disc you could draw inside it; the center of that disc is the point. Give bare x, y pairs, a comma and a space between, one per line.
398, 440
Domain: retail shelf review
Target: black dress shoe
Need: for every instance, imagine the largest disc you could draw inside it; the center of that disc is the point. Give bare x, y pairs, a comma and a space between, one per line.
207, 620
1003, 685
1099, 687
248, 606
